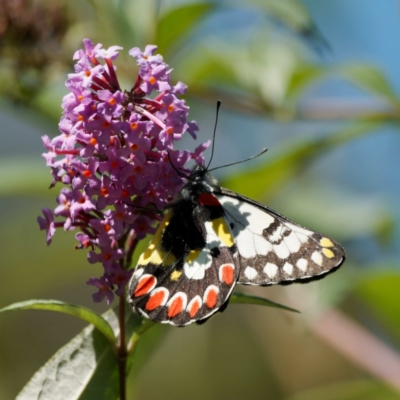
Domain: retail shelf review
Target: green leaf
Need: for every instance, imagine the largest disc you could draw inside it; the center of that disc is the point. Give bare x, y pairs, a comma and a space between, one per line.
204, 68
370, 79
294, 15
254, 78
143, 348
244, 298
86, 368
114, 21
77, 311
303, 76
178, 23
266, 180
380, 291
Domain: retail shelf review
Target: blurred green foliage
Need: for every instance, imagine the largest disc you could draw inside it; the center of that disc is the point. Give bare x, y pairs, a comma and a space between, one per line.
257, 71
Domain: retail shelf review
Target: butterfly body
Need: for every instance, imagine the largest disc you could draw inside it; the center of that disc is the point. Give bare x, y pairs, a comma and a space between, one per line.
212, 238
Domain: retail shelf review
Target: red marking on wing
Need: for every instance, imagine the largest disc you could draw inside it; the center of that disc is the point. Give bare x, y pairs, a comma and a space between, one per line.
144, 286
207, 199
194, 308
227, 274
211, 298
176, 307
155, 300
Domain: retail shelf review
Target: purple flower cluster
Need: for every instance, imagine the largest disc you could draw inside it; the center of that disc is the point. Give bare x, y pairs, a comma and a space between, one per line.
115, 158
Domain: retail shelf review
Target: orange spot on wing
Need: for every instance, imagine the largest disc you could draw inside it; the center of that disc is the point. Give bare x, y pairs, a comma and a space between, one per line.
194, 309
228, 274
176, 307
207, 199
144, 286
211, 299
155, 300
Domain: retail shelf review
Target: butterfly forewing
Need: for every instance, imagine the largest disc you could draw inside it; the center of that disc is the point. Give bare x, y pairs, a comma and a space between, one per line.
274, 249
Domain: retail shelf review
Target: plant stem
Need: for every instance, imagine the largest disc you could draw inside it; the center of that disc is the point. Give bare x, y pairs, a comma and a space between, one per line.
122, 354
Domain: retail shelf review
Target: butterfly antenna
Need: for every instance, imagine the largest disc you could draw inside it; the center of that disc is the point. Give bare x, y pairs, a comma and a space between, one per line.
239, 162
180, 173
215, 130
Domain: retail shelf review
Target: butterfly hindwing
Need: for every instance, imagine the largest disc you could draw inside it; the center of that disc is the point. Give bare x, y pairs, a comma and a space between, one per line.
273, 249
190, 267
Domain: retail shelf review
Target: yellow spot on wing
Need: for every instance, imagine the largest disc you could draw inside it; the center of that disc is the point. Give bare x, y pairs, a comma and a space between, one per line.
175, 275
328, 253
325, 242
222, 230
193, 254
154, 254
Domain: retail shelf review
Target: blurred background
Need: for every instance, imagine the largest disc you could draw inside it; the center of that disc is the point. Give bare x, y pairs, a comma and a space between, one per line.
318, 84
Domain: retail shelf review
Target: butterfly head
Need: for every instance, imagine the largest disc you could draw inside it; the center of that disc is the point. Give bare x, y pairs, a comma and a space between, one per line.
201, 175
199, 180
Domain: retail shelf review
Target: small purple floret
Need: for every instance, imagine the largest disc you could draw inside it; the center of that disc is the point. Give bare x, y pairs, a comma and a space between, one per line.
47, 223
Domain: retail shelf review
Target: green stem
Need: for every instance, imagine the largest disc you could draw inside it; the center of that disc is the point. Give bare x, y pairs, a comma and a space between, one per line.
122, 353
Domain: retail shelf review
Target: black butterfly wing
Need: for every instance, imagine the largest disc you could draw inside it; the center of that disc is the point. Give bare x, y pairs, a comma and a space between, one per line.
189, 269
272, 248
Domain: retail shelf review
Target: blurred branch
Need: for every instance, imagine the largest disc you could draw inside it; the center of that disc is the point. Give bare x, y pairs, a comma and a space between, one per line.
359, 345
320, 109
344, 108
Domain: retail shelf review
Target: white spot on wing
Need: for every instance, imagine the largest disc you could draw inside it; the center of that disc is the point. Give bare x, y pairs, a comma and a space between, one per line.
249, 222
288, 268
138, 273
281, 250
197, 268
302, 264
317, 258
270, 270
262, 247
213, 240
292, 242
250, 273
302, 237
299, 229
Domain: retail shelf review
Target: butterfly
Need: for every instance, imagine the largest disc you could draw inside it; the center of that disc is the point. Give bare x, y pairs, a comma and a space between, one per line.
211, 239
